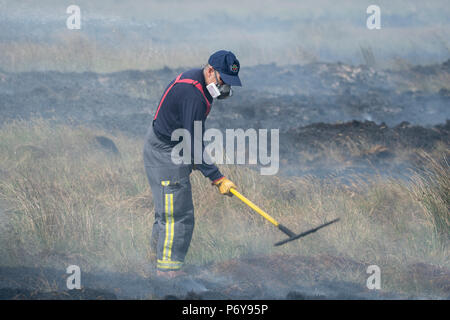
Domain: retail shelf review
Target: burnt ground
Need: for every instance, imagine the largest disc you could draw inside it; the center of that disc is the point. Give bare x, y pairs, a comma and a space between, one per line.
272, 97
359, 148
371, 119
259, 277
315, 107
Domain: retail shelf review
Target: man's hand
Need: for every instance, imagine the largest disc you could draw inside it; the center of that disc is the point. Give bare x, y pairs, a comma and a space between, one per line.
224, 186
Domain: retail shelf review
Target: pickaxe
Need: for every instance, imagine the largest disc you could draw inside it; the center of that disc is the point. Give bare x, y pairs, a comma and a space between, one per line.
292, 236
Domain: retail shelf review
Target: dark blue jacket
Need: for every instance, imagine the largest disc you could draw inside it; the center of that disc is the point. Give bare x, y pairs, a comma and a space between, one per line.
183, 105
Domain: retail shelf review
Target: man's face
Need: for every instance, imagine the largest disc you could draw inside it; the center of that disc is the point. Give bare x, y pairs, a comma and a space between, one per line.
210, 76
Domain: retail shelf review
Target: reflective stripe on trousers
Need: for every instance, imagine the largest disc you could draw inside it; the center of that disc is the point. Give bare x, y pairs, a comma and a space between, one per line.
168, 241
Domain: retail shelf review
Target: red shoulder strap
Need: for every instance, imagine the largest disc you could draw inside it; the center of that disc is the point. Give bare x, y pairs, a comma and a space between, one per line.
165, 94
197, 84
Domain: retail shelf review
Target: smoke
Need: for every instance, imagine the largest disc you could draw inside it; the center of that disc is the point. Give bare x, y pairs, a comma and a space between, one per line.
288, 32
282, 47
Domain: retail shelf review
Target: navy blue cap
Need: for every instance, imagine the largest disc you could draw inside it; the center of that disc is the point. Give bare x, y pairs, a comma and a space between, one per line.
226, 63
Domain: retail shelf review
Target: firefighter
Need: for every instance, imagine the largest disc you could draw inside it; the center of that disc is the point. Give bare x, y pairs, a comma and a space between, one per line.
186, 99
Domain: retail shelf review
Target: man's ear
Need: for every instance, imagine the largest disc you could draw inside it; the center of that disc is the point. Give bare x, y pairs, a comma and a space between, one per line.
209, 72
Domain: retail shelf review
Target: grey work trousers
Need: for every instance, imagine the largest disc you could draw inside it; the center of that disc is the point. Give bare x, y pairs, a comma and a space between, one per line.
172, 197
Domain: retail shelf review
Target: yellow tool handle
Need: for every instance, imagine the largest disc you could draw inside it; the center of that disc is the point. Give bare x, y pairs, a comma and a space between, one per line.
254, 207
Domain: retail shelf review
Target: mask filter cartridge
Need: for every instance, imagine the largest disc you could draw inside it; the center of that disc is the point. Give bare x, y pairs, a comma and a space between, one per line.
213, 90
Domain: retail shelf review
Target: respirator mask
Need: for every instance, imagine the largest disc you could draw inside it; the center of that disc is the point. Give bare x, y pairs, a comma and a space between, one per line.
219, 91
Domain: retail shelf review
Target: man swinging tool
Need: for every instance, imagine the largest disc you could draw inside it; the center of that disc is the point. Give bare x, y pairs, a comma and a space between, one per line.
187, 98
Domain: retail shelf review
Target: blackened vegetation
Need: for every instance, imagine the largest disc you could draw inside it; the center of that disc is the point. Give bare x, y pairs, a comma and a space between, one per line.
258, 277
371, 116
361, 147
291, 97
107, 145
82, 294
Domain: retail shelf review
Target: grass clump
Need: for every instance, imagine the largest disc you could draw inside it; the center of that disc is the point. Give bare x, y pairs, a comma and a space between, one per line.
432, 189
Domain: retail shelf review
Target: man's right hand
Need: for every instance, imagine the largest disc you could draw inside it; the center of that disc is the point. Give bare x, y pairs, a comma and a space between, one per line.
224, 186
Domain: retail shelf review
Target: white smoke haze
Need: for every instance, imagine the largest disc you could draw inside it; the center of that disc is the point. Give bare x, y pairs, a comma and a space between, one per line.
151, 34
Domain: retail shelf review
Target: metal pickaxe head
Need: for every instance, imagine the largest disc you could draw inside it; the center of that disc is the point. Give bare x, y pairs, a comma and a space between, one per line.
293, 236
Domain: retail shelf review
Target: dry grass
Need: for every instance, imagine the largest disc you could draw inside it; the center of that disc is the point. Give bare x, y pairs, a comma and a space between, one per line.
432, 190
71, 203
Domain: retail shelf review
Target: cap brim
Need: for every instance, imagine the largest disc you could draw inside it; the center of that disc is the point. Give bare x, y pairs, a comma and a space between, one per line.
231, 80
